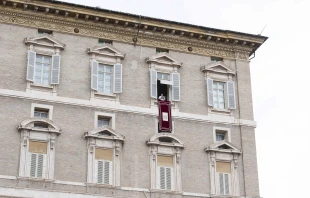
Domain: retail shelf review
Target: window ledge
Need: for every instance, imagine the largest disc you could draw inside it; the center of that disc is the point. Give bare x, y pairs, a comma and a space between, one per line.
105, 95
167, 191
36, 179
44, 86
100, 185
220, 110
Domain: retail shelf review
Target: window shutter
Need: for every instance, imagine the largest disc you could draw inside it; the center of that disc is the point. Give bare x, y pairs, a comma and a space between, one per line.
168, 178
30, 65
55, 69
221, 181
226, 178
100, 172
107, 172
33, 165
117, 78
231, 95
40, 166
176, 87
153, 77
210, 91
94, 75
162, 178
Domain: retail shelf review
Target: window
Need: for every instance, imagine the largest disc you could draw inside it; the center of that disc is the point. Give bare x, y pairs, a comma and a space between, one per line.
163, 85
220, 136
40, 113
165, 171
103, 121
42, 69
37, 155
105, 78
218, 95
223, 170
103, 41
41, 31
37, 148
213, 58
104, 161
161, 50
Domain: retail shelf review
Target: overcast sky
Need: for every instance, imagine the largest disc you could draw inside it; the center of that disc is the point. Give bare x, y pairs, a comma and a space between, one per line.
280, 82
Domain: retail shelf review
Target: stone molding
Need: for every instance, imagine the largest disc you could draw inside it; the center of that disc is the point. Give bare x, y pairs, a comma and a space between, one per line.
227, 47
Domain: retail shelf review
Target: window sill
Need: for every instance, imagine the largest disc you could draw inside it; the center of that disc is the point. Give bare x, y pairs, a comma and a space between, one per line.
167, 191
36, 179
220, 110
100, 185
105, 95
43, 86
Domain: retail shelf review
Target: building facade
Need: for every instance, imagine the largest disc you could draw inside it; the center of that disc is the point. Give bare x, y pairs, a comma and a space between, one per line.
79, 89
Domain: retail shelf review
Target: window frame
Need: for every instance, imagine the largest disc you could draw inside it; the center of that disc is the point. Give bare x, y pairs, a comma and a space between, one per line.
222, 129
110, 116
35, 106
101, 64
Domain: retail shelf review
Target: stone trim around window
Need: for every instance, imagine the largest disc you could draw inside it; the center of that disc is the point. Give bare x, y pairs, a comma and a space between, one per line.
111, 116
105, 138
224, 152
31, 133
226, 130
45, 45
105, 54
42, 106
220, 72
172, 148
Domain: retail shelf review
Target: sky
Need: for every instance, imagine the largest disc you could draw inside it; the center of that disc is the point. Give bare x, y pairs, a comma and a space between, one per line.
279, 72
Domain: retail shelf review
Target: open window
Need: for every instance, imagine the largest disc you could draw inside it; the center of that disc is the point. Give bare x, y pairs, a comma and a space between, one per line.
106, 72
165, 162
224, 173
43, 64
104, 150
37, 150
164, 78
220, 87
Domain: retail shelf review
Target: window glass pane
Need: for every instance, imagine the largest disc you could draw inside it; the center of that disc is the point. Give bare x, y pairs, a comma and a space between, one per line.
108, 69
220, 136
39, 58
103, 122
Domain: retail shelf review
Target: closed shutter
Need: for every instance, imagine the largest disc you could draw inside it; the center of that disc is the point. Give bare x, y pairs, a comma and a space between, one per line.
94, 75
153, 83
176, 95
231, 95
30, 65
162, 178
226, 179
107, 172
55, 69
210, 91
33, 165
168, 178
221, 182
100, 172
117, 78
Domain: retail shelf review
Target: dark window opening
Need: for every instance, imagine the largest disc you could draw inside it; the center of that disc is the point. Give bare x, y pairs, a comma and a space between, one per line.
165, 139
40, 125
40, 113
105, 133
41, 31
224, 147
214, 58
103, 41
161, 50
162, 89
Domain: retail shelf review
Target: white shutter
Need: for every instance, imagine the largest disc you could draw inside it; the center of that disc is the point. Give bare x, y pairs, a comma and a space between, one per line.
40, 166
33, 164
30, 65
107, 172
55, 69
99, 172
94, 75
210, 91
231, 95
162, 178
221, 183
117, 85
176, 96
168, 178
153, 83
226, 179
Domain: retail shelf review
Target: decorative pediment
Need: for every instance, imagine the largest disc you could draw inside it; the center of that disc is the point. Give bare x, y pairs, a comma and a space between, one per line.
106, 50
45, 40
217, 67
35, 123
104, 133
165, 139
224, 147
163, 58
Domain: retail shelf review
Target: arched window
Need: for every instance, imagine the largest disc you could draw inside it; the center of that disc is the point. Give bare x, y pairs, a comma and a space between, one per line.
37, 151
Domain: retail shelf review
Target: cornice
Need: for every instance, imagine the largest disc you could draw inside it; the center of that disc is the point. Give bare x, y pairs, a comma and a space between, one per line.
121, 34
193, 43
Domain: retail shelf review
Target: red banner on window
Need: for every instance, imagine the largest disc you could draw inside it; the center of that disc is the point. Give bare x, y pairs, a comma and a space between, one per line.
164, 117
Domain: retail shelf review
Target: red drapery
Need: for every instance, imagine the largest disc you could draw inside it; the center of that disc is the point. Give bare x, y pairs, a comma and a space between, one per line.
164, 117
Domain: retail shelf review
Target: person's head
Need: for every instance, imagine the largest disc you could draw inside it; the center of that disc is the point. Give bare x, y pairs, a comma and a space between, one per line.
161, 94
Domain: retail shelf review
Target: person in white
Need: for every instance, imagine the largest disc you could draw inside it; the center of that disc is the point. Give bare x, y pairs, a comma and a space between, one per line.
162, 97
